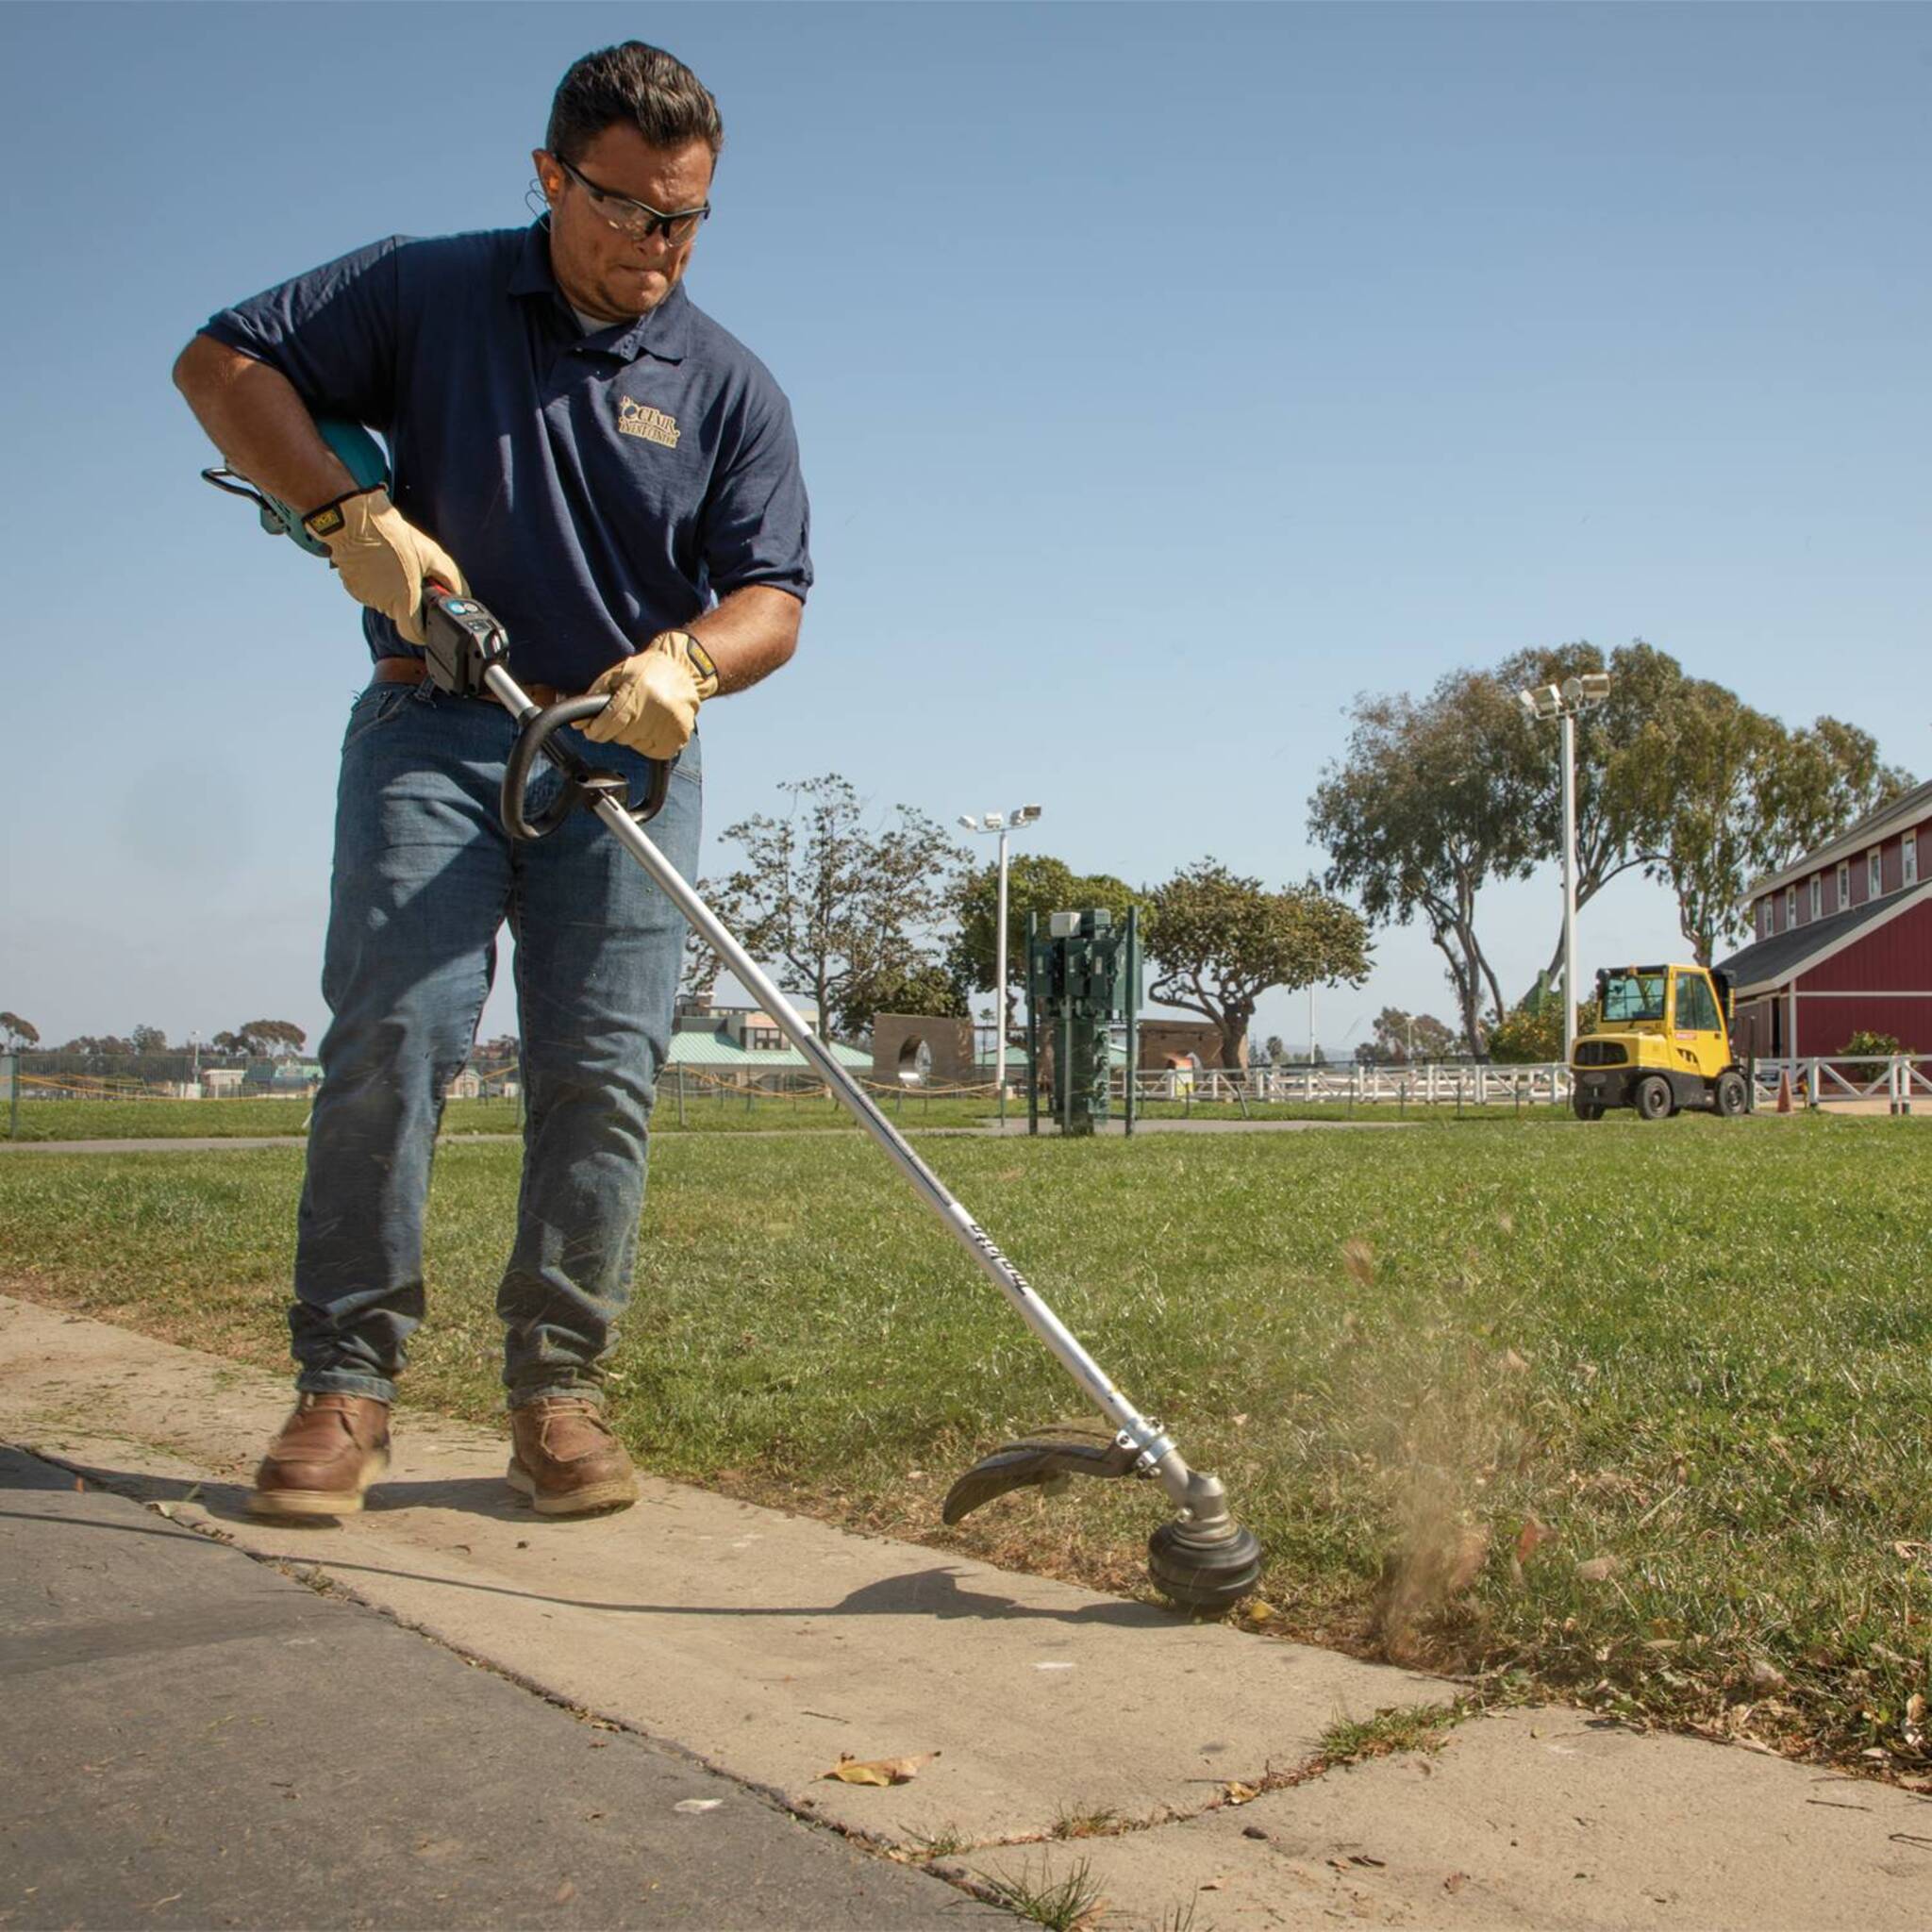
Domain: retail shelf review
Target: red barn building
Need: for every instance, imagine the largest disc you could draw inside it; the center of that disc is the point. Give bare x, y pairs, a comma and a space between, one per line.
1843, 941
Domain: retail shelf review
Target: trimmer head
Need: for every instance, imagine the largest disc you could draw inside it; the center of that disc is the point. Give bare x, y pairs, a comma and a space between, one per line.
1205, 1573
1202, 1561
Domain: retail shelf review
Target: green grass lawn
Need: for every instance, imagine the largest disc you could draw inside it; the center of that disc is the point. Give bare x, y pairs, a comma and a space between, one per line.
712, 1109
1639, 1414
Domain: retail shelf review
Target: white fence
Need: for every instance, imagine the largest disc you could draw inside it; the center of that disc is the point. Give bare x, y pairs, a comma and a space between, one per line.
1898, 1079
1546, 1084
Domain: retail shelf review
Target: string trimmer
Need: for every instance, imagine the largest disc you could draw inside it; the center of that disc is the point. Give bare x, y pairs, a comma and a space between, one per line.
1202, 1560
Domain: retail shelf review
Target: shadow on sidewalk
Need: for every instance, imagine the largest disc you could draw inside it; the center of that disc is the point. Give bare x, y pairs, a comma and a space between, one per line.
935, 1592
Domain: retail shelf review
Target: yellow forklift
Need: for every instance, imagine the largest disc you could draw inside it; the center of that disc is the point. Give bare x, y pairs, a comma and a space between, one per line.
1661, 1043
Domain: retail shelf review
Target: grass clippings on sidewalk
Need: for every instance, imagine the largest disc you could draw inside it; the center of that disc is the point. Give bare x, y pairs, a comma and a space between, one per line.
1635, 1414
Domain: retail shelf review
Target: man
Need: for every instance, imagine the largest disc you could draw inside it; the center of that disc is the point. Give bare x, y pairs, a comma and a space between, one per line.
617, 479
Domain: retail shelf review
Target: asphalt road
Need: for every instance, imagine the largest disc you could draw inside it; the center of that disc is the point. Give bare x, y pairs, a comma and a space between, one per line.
193, 1739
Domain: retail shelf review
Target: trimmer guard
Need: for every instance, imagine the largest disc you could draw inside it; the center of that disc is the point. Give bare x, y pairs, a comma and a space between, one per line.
1046, 1457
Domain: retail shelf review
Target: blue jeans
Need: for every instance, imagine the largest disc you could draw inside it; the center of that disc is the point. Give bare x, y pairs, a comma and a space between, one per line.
425, 877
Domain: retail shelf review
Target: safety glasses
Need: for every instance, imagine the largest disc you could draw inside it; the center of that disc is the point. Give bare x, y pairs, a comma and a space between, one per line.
638, 218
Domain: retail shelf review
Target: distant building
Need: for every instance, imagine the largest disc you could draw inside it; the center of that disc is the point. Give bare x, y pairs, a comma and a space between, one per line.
1843, 941
281, 1079
740, 1044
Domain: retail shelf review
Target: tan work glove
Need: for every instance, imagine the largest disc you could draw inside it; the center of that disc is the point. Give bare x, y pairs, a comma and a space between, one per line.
654, 696
383, 556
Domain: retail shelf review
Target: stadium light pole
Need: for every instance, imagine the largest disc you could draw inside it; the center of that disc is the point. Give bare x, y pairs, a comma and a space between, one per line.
1004, 824
1564, 703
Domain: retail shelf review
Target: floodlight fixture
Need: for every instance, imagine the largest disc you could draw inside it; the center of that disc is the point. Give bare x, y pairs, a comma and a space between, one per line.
1579, 693
1006, 824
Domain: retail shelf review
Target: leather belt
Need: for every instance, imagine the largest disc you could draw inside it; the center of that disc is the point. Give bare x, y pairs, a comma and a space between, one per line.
413, 671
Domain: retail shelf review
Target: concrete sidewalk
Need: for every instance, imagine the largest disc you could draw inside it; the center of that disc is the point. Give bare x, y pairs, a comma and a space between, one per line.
766, 1646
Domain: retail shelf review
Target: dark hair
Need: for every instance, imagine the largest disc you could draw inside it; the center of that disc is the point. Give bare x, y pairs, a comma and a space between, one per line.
637, 86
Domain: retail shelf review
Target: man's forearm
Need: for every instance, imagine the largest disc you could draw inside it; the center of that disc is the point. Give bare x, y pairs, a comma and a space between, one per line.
750, 635
261, 425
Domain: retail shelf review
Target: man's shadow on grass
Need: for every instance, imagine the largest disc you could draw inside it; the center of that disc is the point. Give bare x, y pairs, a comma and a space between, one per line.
937, 1592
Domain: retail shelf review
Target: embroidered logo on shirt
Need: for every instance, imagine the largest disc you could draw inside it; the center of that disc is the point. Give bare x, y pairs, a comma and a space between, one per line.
638, 419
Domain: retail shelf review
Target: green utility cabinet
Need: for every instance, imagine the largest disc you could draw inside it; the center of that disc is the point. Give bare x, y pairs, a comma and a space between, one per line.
1083, 978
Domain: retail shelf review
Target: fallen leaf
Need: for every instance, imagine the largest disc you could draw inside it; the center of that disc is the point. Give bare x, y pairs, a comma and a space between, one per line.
1359, 1259
166, 1509
689, 1805
1210, 1885
1255, 1613
1532, 1537
1766, 1676
1515, 1363
80, 1482
1238, 1793
564, 1893
880, 1771
1456, 1881
1597, 1569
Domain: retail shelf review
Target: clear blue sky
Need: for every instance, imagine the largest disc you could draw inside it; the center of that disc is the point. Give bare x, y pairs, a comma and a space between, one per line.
1165, 376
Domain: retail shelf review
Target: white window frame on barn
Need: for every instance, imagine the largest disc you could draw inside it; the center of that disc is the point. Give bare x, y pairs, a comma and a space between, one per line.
1764, 919
1908, 857
1844, 883
1817, 895
1874, 872
1790, 907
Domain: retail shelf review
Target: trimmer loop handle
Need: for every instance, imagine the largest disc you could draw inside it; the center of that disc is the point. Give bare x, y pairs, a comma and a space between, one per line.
581, 786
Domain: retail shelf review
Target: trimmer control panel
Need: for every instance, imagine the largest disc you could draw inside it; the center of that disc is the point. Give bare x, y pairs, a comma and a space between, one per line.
461, 641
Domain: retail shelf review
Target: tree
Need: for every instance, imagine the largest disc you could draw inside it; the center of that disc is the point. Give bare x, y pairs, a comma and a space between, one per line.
1275, 1050
1037, 884
843, 910
927, 989
228, 1044
1726, 793
260, 1039
1400, 1037
1532, 1035
1433, 799
148, 1040
1828, 777
18, 1033
1218, 941
1610, 770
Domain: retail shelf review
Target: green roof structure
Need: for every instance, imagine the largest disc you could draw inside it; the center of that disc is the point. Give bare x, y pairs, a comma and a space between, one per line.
708, 1049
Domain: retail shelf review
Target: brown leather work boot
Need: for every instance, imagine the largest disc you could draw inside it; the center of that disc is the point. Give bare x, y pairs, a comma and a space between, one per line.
566, 1458
328, 1451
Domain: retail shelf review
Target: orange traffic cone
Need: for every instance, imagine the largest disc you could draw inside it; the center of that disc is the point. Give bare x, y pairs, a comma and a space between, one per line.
1784, 1091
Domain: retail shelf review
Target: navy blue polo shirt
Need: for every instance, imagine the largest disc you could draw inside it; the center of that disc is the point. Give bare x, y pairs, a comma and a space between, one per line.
595, 489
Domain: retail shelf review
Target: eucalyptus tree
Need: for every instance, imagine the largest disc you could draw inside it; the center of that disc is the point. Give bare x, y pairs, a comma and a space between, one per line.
1217, 941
